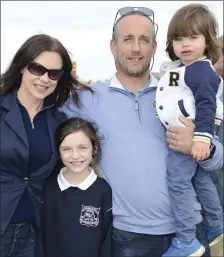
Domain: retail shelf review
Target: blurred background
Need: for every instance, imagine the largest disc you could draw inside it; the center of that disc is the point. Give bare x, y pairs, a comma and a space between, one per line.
85, 28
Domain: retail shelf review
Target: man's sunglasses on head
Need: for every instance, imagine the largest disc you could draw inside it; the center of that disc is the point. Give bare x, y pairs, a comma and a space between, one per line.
39, 70
130, 10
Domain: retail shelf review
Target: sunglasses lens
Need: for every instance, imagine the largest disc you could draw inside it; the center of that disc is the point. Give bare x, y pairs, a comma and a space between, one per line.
124, 11
36, 69
55, 74
146, 11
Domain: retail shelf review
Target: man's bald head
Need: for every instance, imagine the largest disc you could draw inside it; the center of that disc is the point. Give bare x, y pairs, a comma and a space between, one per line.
117, 25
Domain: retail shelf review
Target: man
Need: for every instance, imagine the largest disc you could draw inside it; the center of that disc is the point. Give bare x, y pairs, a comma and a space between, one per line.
134, 145
218, 176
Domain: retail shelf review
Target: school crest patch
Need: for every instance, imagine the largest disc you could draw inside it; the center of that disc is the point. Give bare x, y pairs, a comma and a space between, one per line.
89, 216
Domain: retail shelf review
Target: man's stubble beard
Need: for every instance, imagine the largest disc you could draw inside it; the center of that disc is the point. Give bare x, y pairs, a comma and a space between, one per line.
140, 73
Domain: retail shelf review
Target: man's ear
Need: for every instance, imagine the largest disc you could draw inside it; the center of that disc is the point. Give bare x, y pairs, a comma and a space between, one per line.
22, 70
154, 47
113, 47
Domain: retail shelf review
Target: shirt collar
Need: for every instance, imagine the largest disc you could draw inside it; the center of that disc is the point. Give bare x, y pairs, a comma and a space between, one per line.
48, 102
44, 107
115, 83
129, 91
199, 59
64, 184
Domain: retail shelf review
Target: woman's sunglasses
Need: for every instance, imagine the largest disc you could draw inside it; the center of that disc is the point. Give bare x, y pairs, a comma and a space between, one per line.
39, 70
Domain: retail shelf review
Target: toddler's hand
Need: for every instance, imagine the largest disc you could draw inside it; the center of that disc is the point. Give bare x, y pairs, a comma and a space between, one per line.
200, 150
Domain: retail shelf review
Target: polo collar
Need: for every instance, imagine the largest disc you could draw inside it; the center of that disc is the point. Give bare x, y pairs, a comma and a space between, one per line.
64, 184
115, 83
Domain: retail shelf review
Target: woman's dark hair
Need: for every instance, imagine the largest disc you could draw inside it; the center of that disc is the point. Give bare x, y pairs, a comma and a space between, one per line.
89, 129
191, 20
33, 47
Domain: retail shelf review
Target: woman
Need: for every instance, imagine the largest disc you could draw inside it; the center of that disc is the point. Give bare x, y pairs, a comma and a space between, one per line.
37, 82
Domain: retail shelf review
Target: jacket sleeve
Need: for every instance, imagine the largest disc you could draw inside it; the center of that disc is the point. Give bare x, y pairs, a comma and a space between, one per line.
204, 84
106, 245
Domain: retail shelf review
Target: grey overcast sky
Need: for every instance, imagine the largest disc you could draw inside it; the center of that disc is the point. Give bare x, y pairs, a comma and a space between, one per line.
84, 27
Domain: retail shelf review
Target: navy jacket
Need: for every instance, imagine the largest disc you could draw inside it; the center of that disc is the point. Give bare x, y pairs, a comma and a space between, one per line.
14, 143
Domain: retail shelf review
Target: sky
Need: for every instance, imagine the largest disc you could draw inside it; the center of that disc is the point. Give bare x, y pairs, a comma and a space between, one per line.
84, 28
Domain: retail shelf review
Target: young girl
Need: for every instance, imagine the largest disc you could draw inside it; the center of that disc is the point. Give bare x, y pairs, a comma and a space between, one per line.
77, 204
191, 88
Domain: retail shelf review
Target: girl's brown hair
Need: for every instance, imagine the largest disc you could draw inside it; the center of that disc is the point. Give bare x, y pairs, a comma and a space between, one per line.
194, 19
33, 47
89, 129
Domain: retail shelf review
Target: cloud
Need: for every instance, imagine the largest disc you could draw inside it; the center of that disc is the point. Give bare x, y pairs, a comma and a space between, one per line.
84, 27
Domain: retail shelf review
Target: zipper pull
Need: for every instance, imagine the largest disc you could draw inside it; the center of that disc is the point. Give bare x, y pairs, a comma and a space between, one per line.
136, 105
31, 120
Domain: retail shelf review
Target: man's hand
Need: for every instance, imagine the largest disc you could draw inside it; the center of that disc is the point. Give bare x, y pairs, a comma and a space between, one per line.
180, 138
200, 150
